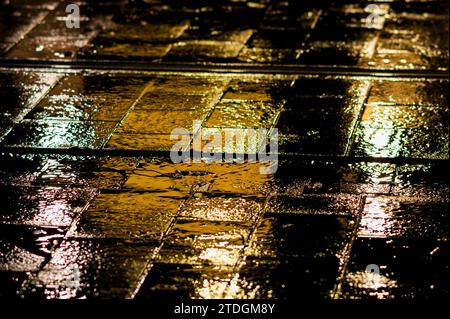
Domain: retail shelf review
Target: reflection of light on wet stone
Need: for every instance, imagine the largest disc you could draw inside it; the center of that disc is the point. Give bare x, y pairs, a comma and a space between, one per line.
242, 289
212, 288
378, 286
58, 278
222, 208
377, 219
13, 258
220, 256
379, 142
217, 240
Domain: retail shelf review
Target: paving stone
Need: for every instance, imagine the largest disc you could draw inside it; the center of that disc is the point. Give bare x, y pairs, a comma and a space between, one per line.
266, 279
127, 50
224, 208
19, 170
320, 115
132, 217
281, 236
200, 178
391, 117
166, 178
95, 269
312, 127
100, 172
25, 249
208, 234
52, 39
421, 180
18, 20
399, 48
405, 217
245, 179
257, 90
196, 260
251, 114
319, 34
409, 268
295, 178
188, 85
140, 121
146, 32
185, 281
43, 206
428, 93
83, 98
205, 48
59, 134
20, 91
137, 141
325, 87
168, 101
392, 131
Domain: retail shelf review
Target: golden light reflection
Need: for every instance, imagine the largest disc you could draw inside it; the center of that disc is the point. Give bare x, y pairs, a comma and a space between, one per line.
377, 285
62, 277
51, 209
381, 142
242, 289
65, 134
225, 286
213, 288
377, 219
220, 256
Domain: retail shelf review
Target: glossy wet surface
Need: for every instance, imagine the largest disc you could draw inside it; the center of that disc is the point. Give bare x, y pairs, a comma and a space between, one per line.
93, 207
394, 35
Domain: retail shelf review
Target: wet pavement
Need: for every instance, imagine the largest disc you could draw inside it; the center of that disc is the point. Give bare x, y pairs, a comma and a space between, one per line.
93, 206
